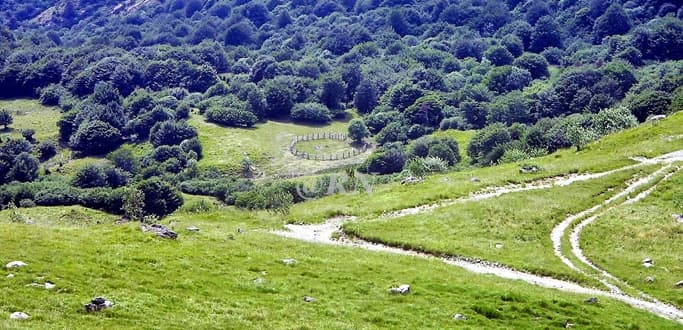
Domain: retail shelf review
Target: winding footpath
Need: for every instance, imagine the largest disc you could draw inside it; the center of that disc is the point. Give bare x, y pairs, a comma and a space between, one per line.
331, 232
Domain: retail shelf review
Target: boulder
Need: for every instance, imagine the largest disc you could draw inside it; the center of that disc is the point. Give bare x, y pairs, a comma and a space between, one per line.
16, 264
289, 261
459, 317
402, 289
98, 304
649, 279
591, 300
160, 230
309, 299
192, 229
529, 169
647, 262
679, 284
19, 316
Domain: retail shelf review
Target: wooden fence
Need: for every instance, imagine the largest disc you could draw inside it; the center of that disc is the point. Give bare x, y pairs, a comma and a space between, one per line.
325, 157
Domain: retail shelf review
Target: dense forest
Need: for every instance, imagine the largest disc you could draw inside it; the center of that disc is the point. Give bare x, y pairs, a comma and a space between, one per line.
530, 76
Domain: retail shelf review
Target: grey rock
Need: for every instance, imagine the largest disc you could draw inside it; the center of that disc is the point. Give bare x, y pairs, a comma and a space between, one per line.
647, 262
459, 317
19, 316
499, 246
98, 304
649, 279
289, 261
591, 300
309, 299
10, 275
401, 289
160, 230
16, 264
192, 229
678, 217
259, 281
679, 284
474, 179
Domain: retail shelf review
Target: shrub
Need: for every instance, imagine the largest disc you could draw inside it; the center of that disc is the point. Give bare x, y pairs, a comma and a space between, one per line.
47, 149
311, 113
171, 132
231, 117
95, 137
161, 198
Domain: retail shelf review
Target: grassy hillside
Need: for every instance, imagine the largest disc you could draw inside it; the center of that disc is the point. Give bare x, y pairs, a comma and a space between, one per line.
520, 221
29, 114
209, 279
621, 239
267, 145
609, 153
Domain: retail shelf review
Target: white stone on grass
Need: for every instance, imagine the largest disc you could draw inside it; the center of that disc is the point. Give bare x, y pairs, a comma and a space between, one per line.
16, 264
19, 316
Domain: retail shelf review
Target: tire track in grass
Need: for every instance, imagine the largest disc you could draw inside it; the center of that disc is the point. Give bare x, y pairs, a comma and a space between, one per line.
331, 232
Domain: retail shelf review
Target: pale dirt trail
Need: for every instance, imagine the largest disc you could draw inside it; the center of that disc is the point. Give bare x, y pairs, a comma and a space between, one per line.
323, 234
591, 215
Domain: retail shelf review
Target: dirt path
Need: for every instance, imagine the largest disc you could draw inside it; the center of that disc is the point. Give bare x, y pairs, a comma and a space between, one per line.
324, 234
330, 232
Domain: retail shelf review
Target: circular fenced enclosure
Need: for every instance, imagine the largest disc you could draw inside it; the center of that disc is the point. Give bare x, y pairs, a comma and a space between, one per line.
326, 146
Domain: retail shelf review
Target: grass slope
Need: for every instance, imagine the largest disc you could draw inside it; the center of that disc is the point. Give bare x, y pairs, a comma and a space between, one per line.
611, 152
29, 114
619, 240
206, 280
521, 221
267, 145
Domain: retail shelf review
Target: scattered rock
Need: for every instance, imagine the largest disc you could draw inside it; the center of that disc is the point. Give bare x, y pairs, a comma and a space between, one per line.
309, 299
529, 169
49, 285
499, 246
240, 230
19, 316
473, 179
568, 324
122, 221
289, 261
193, 229
459, 317
402, 289
649, 279
410, 180
655, 118
160, 230
679, 284
647, 262
10, 275
16, 264
591, 300
98, 304
259, 281
678, 217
